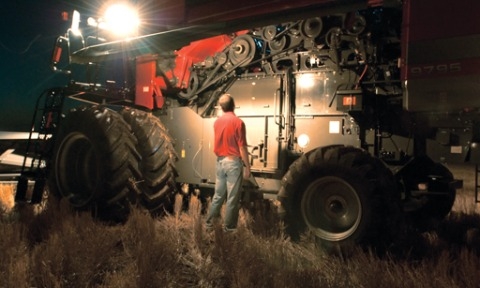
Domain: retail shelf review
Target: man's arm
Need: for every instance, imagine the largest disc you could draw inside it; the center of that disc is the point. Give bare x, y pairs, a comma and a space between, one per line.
246, 163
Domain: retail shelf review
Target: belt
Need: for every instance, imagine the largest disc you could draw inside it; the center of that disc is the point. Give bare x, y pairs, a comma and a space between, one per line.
228, 157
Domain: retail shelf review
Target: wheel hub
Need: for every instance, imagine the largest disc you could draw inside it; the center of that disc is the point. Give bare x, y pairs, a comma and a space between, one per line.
331, 208
335, 207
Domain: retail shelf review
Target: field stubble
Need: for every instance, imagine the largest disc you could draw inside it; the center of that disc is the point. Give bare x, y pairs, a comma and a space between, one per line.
58, 247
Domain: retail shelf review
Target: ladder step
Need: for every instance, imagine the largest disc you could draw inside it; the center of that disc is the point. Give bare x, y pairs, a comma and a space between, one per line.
22, 187
47, 116
37, 193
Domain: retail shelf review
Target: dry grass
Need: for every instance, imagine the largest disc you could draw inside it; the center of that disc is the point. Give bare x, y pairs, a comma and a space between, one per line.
62, 248
7, 200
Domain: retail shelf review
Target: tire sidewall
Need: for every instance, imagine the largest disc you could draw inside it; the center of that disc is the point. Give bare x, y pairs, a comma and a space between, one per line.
112, 144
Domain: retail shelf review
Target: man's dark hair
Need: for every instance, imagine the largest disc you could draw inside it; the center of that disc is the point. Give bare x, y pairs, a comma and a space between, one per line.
227, 103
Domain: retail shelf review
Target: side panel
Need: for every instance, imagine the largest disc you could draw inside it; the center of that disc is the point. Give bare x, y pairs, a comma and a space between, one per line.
331, 130
258, 102
442, 54
193, 138
316, 113
315, 94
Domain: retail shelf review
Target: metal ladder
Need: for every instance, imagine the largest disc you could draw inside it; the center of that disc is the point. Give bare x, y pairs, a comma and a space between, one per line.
39, 146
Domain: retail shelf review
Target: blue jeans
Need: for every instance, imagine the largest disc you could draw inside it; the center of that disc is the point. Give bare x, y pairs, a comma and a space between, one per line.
227, 187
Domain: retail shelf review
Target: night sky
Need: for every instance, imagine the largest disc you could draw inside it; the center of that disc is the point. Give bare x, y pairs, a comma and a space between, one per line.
28, 32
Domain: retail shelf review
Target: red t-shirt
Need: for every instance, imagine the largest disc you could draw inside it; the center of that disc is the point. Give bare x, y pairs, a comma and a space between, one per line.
230, 135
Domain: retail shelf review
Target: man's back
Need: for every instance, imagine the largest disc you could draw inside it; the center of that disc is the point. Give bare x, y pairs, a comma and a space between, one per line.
229, 135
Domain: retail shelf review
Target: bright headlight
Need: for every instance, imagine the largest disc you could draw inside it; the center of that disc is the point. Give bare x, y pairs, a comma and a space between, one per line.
303, 140
121, 20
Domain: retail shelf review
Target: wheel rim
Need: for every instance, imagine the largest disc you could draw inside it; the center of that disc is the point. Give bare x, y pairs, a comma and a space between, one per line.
331, 208
76, 169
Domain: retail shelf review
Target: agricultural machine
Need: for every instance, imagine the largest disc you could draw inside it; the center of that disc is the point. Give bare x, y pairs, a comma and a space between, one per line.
352, 108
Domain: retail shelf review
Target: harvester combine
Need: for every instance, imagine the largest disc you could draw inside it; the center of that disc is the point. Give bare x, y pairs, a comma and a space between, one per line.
352, 108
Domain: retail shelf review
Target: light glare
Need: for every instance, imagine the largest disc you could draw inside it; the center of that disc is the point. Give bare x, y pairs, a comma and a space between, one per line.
75, 23
121, 20
303, 140
306, 81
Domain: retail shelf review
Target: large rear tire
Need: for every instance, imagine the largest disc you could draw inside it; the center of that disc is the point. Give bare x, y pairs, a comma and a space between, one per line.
343, 196
157, 165
431, 208
95, 162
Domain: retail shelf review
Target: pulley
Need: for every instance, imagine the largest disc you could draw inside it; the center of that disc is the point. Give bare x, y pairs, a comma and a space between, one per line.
242, 50
358, 25
192, 87
311, 27
333, 36
278, 44
269, 33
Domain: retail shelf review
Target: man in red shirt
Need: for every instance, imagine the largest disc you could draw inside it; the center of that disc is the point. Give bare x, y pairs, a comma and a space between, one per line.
230, 146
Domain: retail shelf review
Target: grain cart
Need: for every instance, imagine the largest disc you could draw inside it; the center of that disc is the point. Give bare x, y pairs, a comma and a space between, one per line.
351, 108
